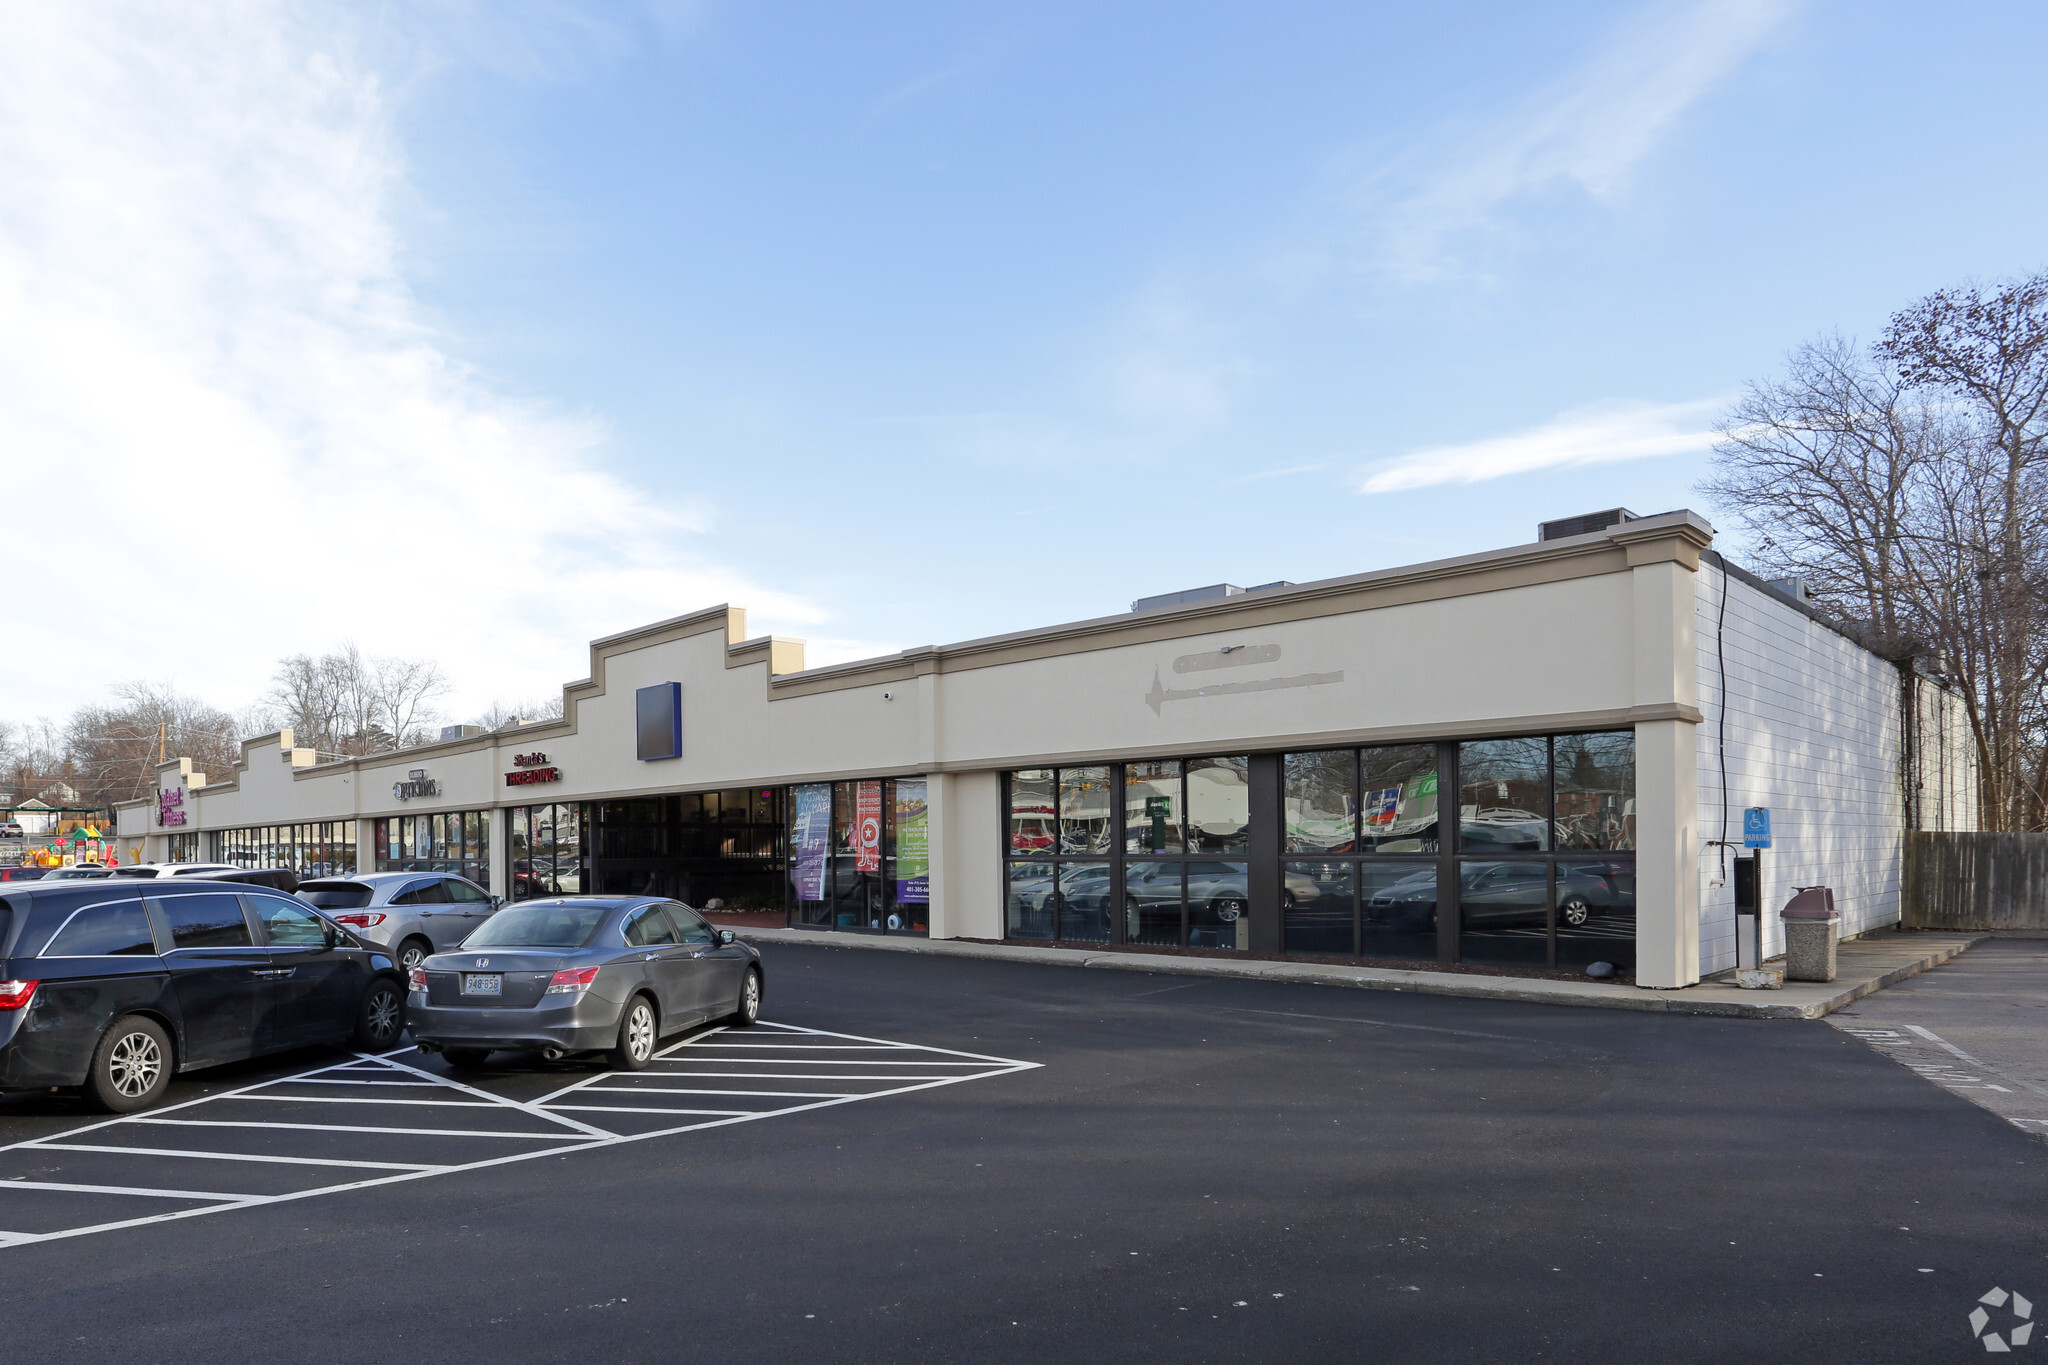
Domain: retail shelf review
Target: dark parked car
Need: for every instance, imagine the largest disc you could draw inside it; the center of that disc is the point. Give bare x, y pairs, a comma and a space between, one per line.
23, 874
114, 985
276, 878
583, 974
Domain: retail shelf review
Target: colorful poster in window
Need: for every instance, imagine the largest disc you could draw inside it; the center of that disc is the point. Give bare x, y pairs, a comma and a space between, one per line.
1381, 806
812, 837
867, 827
913, 845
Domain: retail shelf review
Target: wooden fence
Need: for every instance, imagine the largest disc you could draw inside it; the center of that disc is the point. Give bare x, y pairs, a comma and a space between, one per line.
1976, 881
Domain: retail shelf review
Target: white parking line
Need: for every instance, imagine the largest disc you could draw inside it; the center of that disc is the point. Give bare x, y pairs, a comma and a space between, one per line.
147, 1192
584, 1136
358, 1128
236, 1156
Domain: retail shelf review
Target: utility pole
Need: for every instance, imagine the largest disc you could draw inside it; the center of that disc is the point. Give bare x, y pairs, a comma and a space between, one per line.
161, 728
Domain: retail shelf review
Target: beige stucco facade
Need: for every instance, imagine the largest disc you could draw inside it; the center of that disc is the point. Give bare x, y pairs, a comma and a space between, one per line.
1595, 632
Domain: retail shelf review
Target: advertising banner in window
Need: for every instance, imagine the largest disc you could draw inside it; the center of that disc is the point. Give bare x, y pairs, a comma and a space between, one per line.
867, 827
913, 845
812, 839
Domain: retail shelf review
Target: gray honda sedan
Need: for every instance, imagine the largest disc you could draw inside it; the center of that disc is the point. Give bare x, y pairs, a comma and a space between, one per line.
582, 974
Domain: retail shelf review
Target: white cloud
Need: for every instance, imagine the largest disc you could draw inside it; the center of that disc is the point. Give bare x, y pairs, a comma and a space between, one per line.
1585, 436
1589, 130
227, 428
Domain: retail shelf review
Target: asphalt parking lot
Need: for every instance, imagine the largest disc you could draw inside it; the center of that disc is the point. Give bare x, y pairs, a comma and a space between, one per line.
1120, 1167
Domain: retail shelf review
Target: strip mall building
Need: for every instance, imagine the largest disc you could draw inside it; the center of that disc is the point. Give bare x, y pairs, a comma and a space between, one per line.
1263, 771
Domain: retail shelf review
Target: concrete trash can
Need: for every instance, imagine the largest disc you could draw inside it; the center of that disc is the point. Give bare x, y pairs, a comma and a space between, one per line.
1812, 929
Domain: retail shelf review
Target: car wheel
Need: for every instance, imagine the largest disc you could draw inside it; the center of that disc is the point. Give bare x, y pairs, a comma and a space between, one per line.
412, 953
1227, 909
464, 1058
381, 1017
1574, 912
131, 1068
748, 1007
635, 1047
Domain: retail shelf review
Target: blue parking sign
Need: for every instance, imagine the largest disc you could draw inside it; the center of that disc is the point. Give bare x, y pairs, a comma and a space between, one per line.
1756, 827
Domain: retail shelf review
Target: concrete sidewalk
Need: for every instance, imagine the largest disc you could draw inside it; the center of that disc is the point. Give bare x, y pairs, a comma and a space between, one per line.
1864, 965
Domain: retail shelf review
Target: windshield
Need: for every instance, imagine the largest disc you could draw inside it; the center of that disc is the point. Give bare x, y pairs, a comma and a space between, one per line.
539, 926
336, 895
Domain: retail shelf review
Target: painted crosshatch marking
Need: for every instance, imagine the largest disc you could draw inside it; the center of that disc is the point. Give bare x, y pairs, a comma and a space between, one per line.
235, 1150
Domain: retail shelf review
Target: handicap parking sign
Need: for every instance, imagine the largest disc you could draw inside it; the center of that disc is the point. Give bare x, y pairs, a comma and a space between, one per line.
1756, 827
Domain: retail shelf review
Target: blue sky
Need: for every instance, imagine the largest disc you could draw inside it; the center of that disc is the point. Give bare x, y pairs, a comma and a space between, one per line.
479, 331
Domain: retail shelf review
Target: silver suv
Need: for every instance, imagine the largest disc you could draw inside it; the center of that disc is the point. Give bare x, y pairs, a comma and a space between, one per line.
410, 915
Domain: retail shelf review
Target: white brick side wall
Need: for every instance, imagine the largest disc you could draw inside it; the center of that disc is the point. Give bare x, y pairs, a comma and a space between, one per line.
1813, 730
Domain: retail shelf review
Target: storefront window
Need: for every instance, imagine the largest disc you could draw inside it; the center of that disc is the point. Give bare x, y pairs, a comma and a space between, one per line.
325, 848
458, 842
861, 851
1085, 816
546, 849
1544, 852
1152, 808
1568, 800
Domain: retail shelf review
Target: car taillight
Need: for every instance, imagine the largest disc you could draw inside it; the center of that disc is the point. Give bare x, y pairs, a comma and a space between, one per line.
418, 976
360, 921
15, 994
573, 981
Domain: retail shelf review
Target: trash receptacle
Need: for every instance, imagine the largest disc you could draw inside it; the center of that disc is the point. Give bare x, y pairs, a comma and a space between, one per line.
1812, 929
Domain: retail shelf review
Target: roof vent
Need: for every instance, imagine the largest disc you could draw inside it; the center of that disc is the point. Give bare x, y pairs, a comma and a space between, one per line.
1798, 589
1584, 525
449, 732
1175, 599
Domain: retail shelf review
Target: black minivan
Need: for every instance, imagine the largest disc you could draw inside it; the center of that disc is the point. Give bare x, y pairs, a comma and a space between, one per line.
113, 985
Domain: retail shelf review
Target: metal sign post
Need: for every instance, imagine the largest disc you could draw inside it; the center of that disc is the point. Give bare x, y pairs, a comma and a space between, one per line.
1749, 888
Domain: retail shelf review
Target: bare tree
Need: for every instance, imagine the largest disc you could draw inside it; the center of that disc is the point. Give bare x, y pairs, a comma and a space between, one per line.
1823, 464
114, 749
1987, 351
402, 695
1909, 485
342, 704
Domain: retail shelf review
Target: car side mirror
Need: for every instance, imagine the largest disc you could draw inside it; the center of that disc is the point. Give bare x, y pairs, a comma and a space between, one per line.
497, 901
332, 935
726, 936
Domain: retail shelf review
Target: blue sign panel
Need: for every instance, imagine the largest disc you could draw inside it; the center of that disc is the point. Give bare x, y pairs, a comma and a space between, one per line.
1756, 827
658, 721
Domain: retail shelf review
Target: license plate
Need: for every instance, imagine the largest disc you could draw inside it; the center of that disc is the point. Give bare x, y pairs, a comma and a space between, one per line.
483, 983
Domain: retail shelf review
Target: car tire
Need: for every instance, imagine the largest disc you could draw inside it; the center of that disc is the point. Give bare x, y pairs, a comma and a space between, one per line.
638, 1032
1573, 912
131, 1067
411, 954
465, 1058
747, 1007
381, 1016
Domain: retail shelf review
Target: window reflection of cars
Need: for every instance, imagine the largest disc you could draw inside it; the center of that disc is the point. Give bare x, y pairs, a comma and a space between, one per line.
1485, 828
1496, 894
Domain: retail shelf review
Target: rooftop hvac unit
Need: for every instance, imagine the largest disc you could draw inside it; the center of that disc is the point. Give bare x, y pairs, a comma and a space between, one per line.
1584, 525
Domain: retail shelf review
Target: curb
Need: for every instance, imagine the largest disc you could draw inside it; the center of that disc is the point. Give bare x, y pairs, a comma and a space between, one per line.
1707, 998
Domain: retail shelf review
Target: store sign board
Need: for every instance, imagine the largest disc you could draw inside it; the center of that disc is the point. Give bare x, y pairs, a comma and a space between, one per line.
170, 803
533, 770
913, 844
812, 839
416, 783
867, 826
658, 721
